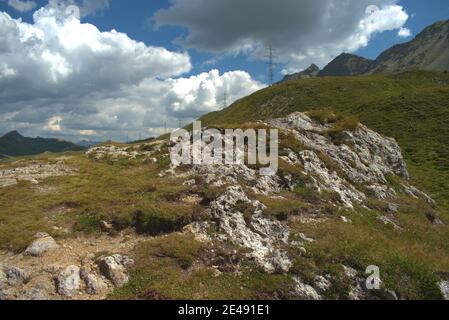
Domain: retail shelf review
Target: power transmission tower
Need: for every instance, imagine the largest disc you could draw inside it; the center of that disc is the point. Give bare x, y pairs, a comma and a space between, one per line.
225, 98
271, 64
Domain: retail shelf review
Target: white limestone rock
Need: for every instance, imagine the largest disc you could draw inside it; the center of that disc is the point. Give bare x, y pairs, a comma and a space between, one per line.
304, 291
114, 269
69, 282
263, 237
43, 244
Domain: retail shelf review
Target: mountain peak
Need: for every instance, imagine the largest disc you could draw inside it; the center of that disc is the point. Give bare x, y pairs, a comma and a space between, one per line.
347, 64
311, 72
13, 135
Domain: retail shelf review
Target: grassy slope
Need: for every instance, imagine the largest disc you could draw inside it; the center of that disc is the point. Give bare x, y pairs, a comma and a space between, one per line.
412, 107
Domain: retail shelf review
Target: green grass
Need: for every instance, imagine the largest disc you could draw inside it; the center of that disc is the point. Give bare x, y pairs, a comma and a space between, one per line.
99, 191
164, 269
412, 107
410, 261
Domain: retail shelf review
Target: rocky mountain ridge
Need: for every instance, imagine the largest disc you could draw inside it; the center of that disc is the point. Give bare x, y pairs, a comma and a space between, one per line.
429, 50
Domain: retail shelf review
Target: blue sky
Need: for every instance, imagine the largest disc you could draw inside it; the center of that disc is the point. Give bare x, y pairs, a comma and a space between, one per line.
193, 51
135, 19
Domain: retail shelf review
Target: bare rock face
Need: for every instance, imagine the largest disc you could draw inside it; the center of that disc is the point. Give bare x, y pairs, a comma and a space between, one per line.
43, 244
114, 269
69, 282
363, 157
355, 167
261, 235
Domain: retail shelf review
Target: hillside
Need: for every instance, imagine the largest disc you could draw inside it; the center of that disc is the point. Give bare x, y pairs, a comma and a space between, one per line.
123, 222
412, 107
14, 144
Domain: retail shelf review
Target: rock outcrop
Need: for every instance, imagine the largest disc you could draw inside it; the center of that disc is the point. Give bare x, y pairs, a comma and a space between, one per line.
355, 167
33, 173
360, 157
115, 153
260, 235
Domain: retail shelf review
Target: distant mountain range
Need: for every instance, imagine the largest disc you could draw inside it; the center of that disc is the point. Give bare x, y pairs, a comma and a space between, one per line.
14, 144
428, 51
88, 143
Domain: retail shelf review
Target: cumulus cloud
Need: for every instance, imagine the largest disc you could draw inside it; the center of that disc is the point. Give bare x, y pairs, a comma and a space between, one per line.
22, 5
194, 96
404, 33
302, 32
61, 77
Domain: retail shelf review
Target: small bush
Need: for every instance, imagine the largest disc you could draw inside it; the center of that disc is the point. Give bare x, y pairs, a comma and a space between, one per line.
88, 223
162, 218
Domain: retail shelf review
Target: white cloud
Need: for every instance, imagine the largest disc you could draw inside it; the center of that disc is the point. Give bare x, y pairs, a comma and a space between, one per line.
6, 72
194, 96
54, 124
64, 78
22, 5
301, 32
404, 33
62, 57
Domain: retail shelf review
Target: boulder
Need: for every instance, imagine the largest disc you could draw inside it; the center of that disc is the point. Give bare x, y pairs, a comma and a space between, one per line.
95, 285
43, 244
114, 269
16, 276
68, 281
